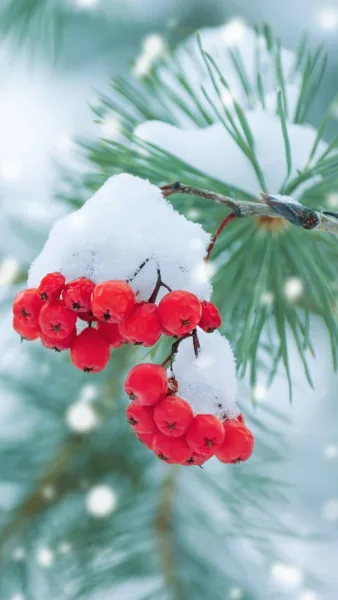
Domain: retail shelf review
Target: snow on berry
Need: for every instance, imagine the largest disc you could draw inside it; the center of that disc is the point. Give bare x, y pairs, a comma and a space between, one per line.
27, 305
210, 319
51, 286
111, 333
125, 223
143, 325
238, 443
89, 351
113, 301
209, 381
205, 434
26, 330
77, 294
141, 418
173, 416
171, 449
180, 312
57, 344
56, 320
146, 383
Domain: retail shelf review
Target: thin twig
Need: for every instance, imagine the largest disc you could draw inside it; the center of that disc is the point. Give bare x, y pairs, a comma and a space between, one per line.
224, 223
159, 283
175, 346
268, 205
142, 265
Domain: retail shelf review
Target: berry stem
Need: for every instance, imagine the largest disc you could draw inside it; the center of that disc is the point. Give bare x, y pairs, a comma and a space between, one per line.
196, 342
219, 230
158, 285
175, 346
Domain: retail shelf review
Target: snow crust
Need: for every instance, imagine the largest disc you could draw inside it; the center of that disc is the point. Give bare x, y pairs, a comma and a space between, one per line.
208, 382
214, 152
124, 223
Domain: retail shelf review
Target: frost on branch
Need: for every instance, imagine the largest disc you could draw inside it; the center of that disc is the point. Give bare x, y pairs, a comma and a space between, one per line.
208, 383
126, 222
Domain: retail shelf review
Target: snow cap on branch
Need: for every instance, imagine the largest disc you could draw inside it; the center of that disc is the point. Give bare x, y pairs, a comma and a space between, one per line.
126, 222
208, 382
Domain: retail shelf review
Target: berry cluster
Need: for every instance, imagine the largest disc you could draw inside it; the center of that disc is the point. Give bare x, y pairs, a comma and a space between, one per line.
166, 424
114, 317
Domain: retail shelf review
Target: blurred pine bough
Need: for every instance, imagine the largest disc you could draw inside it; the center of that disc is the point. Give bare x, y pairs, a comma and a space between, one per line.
187, 534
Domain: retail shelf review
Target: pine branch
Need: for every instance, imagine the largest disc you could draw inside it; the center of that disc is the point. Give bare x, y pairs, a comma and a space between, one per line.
272, 207
164, 534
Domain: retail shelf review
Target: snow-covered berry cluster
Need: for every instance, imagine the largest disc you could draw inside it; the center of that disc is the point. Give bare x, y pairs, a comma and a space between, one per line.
127, 268
51, 312
167, 425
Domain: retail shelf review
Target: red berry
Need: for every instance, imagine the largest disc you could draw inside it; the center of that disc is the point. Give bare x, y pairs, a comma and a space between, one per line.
180, 312
77, 294
111, 333
210, 319
147, 439
146, 383
173, 415
27, 305
56, 320
238, 442
205, 435
196, 459
113, 301
143, 325
51, 286
89, 351
87, 316
27, 331
57, 344
141, 418
170, 449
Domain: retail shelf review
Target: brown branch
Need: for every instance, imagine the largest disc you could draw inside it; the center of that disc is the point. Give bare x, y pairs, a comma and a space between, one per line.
269, 205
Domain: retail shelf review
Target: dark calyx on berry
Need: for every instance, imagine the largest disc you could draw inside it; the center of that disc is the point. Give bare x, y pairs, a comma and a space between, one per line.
132, 421
44, 296
88, 369
76, 306
161, 456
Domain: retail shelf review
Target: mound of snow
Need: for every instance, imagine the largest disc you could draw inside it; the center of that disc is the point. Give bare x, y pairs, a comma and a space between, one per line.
208, 382
124, 223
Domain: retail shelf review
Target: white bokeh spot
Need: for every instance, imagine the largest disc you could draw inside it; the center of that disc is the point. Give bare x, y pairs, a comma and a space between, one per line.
45, 557
328, 19
233, 32
293, 288
101, 501
288, 576
81, 417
